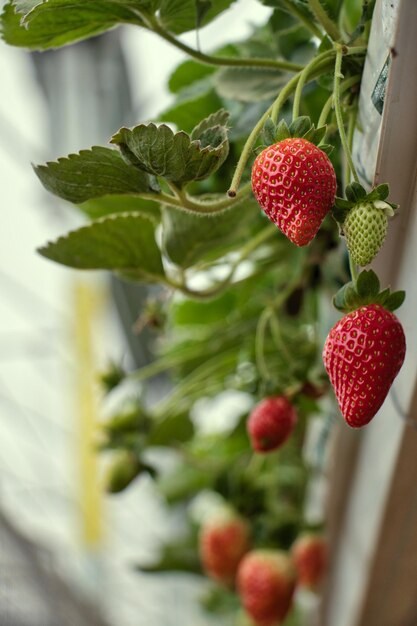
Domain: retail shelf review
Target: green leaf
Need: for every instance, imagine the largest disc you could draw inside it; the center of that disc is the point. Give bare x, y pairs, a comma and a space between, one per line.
282, 132
339, 213
179, 556
346, 298
107, 205
355, 192
171, 430
179, 16
91, 174
188, 73
367, 284
300, 126
382, 191
269, 132
327, 148
59, 22
210, 130
315, 135
184, 482
395, 300
158, 150
186, 238
188, 110
341, 203
248, 84
122, 242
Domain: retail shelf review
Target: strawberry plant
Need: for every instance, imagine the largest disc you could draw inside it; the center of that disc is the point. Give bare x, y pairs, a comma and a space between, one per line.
261, 126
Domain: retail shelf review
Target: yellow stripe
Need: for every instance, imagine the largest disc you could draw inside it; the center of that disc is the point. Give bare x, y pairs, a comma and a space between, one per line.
86, 307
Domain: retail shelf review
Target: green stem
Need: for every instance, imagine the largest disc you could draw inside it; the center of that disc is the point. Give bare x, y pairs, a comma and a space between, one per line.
273, 110
192, 204
328, 24
260, 345
338, 111
353, 269
301, 17
272, 64
216, 290
303, 76
344, 86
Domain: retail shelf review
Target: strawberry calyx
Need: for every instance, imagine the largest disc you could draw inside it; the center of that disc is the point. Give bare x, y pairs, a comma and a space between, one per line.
356, 195
366, 290
301, 127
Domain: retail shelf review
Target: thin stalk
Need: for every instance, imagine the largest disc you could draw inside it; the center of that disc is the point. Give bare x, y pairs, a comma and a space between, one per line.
192, 204
328, 24
338, 111
303, 78
344, 86
217, 289
207, 59
353, 269
260, 345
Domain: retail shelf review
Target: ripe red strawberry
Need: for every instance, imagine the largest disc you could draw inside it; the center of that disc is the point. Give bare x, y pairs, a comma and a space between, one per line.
363, 354
295, 184
271, 423
266, 581
309, 553
224, 540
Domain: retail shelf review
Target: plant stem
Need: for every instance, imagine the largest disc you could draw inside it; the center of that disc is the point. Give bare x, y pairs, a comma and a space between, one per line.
217, 289
301, 17
272, 64
353, 269
192, 204
260, 345
338, 111
344, 86
328, 24
273, 110
303, 78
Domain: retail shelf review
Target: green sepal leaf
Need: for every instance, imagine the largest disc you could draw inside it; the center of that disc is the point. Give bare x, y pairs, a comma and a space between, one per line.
340, 209
366, 291
269, 132
282, 131
346, 299
91, 174
327, 148
367, 284
300, 126
124, 242
174, 156
394, 300
315, 135
210, 131
382, 191
355, 192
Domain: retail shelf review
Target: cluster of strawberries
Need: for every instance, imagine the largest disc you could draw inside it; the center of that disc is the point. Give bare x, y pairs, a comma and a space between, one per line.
264, 579
294, 182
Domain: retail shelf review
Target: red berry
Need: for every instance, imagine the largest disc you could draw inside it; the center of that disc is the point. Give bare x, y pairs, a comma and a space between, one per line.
363, 354
295, 184
271, 423
266, 581
309, 553
224, 540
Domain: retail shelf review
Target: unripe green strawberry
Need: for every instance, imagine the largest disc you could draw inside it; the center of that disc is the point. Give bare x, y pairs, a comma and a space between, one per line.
271, 423
365, 228
224, 540
309, 553
266, 582
295, 184
363, 353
